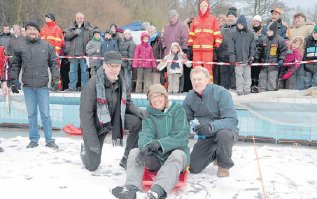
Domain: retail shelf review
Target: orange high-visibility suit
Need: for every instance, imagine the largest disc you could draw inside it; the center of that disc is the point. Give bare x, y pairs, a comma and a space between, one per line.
204, 36
53, 34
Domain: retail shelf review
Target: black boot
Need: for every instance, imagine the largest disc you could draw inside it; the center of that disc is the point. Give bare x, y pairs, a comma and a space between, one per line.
125, 192
156, 192
123, 162
1, 149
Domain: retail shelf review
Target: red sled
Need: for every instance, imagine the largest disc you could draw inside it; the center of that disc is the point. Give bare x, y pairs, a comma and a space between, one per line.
72, 130
149, 178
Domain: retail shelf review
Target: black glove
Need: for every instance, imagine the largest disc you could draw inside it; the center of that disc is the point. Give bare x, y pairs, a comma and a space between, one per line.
250, 61
203, 130
140, 158
280, 63
190, 50
14, 87
154, 146
54, 86
143, 114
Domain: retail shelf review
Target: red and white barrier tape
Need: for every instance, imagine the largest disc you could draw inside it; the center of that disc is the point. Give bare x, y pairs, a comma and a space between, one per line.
191, 62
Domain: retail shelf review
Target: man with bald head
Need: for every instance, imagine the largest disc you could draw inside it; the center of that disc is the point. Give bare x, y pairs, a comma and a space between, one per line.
77, 36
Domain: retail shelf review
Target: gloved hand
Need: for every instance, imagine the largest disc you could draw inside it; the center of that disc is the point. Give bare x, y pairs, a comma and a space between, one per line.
140, 158
153, 146
280, 63
77, 31
143, 114
14, 87
203, 130
287, 75
250, 61
54, 85
190, 51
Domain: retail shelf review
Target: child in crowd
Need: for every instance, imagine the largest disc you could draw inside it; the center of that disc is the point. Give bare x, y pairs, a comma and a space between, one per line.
294, 54
126, 48
272, 49
109, 44
241, 49
310, 78
174, 62
144, 62
93, 49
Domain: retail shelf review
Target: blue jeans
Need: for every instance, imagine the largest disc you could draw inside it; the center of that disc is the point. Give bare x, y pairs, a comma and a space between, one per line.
38, 97
73, 73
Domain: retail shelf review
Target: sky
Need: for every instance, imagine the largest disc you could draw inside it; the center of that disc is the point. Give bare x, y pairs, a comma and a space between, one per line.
302, 3
287, 172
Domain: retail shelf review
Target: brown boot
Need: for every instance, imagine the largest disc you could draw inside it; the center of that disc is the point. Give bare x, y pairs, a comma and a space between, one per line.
222, 172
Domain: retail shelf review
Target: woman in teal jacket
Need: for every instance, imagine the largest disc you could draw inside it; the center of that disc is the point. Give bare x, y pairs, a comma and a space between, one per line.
163, 146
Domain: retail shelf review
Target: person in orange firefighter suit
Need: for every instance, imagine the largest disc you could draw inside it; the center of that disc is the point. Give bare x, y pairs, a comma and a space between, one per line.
204, 36
53, 34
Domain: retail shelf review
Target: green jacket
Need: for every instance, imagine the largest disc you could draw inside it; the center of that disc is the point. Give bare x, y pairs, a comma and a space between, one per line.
170, 128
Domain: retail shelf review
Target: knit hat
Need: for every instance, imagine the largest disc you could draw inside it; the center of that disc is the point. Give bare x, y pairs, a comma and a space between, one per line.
112, 57
273, 27
157, 88
96, 31
120, 30
243, 21
257, 18
315, 29
32, 24
232, 11
51, 16
172, 13
107, 31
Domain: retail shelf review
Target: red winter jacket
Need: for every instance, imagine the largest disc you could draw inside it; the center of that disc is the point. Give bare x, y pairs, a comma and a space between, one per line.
53, 34
204, 33
143, 51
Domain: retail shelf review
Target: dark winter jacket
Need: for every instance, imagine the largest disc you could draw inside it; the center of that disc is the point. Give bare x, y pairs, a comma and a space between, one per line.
109, 45
76, 43
271, 50
241, 45
281, 29
4, 39
215, 107
126, 48
310, 54
88, 109
93, 49
170, 128
34, 57
157, 47
226, 30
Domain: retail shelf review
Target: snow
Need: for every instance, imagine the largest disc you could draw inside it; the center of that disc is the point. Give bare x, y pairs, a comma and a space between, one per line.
288, 172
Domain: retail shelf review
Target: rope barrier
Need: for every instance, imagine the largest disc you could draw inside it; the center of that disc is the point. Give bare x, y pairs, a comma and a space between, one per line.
192, 62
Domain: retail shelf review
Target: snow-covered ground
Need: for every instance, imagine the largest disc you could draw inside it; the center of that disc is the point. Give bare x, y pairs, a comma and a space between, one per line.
288, 172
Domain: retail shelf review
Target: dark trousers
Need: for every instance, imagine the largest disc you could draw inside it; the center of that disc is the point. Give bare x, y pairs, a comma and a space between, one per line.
227, 74
92, 160
217, 148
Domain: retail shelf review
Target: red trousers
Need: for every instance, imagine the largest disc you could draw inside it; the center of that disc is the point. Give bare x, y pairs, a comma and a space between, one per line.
204, 57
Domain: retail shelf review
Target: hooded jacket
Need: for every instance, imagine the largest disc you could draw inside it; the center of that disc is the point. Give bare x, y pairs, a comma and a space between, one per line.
204, 33
143, 51
241, 45
53, 34
310, 54
126, 48
170, 57
170, 128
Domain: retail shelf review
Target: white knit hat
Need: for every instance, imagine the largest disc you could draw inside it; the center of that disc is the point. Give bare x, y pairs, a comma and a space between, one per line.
257, 18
